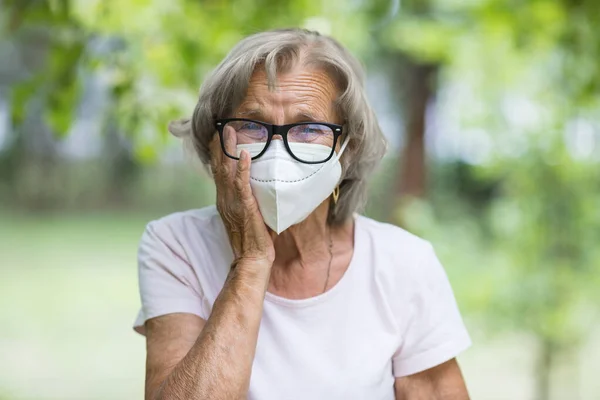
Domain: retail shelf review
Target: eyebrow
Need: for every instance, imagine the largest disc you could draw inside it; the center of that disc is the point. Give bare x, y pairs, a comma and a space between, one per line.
307, 116
253, 112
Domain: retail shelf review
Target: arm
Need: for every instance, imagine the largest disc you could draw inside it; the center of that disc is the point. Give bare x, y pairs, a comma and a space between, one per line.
193, 360
219, 351
443, 382
168, 339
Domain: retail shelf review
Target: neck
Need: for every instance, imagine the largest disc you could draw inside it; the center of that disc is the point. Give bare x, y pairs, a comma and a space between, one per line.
305, 242
304, 259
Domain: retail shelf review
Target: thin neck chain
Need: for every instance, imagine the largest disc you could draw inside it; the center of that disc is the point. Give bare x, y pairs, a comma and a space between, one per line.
330, 260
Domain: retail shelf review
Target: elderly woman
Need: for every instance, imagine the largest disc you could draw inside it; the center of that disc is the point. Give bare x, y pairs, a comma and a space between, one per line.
282, 291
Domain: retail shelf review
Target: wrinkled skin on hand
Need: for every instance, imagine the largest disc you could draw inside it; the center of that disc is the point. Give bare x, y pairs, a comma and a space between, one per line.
249, 236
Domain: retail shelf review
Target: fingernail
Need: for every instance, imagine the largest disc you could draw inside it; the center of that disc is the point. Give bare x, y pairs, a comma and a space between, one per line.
243, 155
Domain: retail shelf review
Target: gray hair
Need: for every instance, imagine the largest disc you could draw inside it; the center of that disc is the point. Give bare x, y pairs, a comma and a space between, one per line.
277, 51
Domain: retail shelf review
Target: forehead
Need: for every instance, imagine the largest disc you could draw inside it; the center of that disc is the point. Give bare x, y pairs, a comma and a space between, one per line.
307, 92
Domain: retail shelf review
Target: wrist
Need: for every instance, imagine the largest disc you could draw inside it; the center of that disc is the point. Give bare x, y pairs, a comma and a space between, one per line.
249, 276
252, 267
254, 263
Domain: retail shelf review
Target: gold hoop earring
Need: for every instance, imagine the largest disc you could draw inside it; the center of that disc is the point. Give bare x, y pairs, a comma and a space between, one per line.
336, 194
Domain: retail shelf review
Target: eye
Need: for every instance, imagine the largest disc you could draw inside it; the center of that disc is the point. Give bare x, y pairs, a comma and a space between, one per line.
311, 133
249, 131
312, 129
251, 126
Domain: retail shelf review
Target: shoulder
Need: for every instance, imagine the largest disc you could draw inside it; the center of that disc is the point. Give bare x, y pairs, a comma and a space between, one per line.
399, 261
192, 243
174, 264
412, 282
196, 222
201, 217
394, 242
185, 232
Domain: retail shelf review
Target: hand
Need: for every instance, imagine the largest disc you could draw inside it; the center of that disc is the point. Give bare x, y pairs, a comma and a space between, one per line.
250, 239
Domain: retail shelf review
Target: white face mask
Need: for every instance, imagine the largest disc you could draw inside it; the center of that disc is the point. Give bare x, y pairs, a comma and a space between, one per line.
287, 190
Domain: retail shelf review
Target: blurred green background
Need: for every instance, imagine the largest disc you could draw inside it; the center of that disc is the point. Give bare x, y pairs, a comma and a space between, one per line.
492, 110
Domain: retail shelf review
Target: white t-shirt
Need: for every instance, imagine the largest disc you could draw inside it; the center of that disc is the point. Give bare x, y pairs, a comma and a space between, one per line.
392, 313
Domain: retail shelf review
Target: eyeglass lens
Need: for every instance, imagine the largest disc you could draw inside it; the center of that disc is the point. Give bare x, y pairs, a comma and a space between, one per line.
307, 142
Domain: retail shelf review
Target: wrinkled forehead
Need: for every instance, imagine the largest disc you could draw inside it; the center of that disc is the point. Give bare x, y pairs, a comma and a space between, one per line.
299, 93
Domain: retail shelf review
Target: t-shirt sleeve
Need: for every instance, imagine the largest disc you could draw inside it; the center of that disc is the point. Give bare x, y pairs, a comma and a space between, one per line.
167, 281
433, 329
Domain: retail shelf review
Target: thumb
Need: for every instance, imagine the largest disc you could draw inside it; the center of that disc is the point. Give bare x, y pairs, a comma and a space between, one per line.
242, 176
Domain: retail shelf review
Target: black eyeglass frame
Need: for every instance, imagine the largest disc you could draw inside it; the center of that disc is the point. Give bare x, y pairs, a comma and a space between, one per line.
281, 130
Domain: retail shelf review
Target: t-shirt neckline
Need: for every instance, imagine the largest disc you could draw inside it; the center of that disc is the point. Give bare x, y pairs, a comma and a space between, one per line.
320, 298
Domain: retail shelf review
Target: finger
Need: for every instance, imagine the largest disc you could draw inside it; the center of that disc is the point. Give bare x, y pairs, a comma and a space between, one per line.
222, 181
242, 178
216, 154
230, 144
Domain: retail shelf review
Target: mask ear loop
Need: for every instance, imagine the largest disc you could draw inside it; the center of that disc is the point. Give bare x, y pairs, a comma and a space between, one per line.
336, 191
344, 144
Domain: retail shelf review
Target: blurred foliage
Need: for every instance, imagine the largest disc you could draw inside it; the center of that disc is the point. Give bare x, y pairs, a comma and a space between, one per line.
515, 219
518, 226
153, 54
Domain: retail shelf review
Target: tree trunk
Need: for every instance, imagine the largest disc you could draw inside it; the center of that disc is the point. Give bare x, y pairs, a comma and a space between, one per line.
420, 90
543, 370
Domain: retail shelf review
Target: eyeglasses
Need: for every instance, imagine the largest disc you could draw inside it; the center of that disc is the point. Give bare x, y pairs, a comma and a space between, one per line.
307, 142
